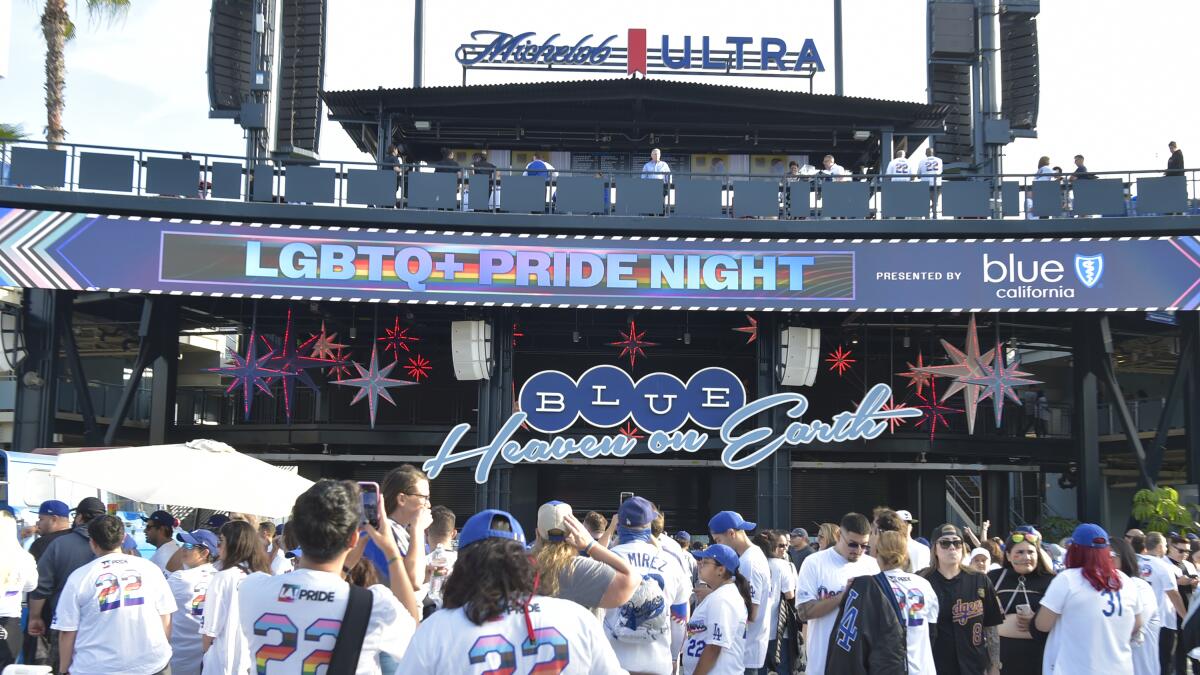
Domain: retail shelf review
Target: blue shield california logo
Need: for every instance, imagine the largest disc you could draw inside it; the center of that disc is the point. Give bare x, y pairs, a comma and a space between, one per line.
1089, 269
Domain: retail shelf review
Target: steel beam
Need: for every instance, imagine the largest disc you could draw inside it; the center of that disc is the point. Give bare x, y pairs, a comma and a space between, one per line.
1190, 324
37, 381
1085, 378
91, 431
165, 367
774, 476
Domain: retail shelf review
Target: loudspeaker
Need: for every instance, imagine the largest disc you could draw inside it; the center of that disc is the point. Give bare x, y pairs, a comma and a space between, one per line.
799, 355
471, 349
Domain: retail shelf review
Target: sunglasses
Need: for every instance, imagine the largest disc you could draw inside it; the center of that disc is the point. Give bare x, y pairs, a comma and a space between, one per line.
1018, 537
856, 546
950, 543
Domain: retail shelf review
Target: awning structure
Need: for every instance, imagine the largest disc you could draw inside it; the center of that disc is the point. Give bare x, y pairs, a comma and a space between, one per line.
627, 114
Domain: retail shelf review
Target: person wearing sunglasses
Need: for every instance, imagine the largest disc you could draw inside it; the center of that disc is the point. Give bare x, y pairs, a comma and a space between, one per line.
1090, 610
197, 551
967, 639
1179, 552
1020, 583
823, 580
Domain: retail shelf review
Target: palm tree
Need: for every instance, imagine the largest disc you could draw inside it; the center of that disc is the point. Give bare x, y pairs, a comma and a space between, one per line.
58, 29
10, 133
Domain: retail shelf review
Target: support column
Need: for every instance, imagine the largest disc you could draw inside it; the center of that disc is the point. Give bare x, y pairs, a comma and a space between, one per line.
495, 406
931, 502
37, 380
1085, 372
1190, 323
165, 367
774, 503
997, 500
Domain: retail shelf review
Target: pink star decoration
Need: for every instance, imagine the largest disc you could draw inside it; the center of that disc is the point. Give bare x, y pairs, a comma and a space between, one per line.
632, 343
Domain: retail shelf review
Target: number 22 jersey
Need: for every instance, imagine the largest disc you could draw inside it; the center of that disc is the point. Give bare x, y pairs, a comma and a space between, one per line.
292, 622
568, 640
116, 603
719, 620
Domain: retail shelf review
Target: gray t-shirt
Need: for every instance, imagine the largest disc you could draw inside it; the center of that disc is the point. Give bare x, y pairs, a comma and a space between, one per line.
585, 582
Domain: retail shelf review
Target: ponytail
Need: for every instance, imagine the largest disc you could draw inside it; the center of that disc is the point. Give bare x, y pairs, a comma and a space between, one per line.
743, 586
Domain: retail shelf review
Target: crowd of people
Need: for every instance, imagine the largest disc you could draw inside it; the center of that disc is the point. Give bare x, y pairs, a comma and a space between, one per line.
327, 592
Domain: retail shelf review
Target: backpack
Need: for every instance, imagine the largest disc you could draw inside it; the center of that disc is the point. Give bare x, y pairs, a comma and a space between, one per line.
646, 617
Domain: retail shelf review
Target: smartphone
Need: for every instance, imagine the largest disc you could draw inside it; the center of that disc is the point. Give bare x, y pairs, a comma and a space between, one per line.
372, 508
624, 496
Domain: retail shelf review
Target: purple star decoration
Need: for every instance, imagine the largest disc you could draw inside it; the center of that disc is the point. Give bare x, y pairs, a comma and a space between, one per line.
999, 382
248, 373
290, 366
373, 383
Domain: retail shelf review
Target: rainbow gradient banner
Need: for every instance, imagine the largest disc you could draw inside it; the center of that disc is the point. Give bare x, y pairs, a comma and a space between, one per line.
52, 249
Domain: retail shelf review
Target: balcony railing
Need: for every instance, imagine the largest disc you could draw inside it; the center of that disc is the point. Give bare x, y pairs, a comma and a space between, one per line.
117, 170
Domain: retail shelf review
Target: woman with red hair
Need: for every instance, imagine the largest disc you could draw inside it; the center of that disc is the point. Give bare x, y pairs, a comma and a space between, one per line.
1090, 610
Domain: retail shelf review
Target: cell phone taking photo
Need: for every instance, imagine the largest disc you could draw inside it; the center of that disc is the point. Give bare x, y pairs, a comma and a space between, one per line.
625, 496
372, 508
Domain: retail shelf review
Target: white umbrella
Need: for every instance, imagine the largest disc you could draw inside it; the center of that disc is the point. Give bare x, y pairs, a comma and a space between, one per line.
201, 474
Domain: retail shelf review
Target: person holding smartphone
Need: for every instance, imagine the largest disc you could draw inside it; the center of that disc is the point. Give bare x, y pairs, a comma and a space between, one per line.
405, 499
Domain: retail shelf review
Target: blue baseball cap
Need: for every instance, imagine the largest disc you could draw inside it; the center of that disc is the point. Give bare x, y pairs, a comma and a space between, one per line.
683, 534
799, 532
1192, 536
729, 520
636, 512
203, 538
1090, 535
53, 507
479, 527
216, 521
722, 554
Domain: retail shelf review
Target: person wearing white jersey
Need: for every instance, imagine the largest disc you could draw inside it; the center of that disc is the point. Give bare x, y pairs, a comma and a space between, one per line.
774, 545
1090, 610
160, 533
729, 528
316, 604
226, 649
916, 598
493, 620
930, 168
822, 583
682, 541
1163, 578
646, 633
1145, 646
114, 613
714, 643
898, 169
189, 586
918, 553
18, 576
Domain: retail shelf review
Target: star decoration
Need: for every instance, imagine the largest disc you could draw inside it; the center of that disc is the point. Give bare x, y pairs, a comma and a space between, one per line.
631, 431
249, 372
323, 345
935, 410
342, 365
517, 333
998, 383
964, 367
373, 383
291, 366
418, 367
840, 360
751, 329
395, 339
632, 343
893, 422
916, 377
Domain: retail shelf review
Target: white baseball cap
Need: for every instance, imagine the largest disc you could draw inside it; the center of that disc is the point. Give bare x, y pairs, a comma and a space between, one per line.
550, 520
906, 516
980, 552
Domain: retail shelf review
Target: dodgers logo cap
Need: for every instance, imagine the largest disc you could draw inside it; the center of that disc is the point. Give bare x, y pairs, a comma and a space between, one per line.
203, 538
683, 534
53, 507
636, 512
723, 555
729, 520
163, 518
479, 527
1090, 535
906, 516
216, 521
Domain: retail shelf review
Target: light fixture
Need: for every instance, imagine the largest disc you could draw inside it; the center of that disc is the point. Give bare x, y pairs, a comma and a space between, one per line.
575, 336
907, 342
687, 338
422, 125
861, 135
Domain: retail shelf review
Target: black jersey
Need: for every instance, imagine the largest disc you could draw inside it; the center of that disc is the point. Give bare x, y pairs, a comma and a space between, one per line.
967, 605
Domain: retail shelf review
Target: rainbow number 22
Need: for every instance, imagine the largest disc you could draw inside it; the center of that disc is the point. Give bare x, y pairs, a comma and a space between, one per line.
288, 635
556, 662
115, 593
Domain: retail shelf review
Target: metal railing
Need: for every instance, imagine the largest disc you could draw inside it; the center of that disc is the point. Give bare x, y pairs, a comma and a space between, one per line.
1007, 196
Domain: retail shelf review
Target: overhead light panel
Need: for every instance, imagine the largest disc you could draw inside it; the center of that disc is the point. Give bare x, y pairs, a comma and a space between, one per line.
861, 135
422, 125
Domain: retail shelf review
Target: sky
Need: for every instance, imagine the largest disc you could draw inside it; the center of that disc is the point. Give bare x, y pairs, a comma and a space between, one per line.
1114, 82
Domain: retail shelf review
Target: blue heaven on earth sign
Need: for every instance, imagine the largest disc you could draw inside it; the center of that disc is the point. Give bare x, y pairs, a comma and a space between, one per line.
661, 404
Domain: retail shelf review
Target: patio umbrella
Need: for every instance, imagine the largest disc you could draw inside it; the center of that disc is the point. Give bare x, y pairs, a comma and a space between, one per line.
200, 474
